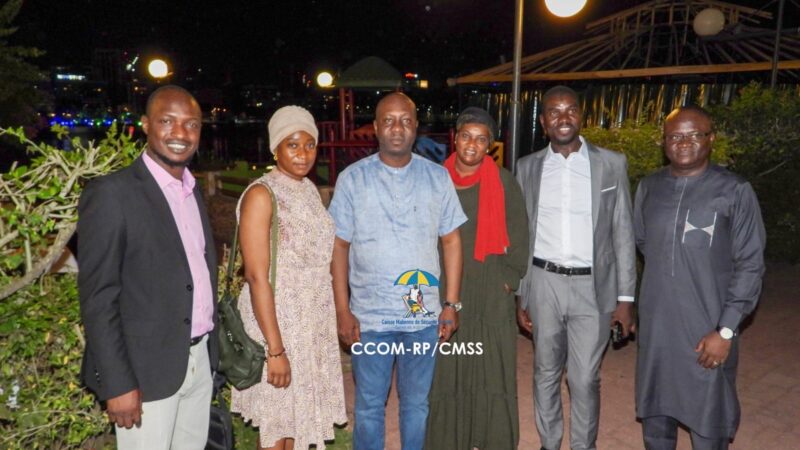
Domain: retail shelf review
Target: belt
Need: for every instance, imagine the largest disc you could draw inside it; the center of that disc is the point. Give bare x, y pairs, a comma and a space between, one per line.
559, 269
196, 340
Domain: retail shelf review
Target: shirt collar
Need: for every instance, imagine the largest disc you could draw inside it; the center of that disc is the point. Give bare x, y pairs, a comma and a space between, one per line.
164, 179
583, 151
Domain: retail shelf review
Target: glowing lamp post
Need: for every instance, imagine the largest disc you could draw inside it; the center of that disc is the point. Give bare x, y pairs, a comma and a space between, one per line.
324, 80
560, 8
158, 69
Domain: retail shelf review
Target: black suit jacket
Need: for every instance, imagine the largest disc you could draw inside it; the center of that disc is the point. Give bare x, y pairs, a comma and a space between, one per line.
136, 287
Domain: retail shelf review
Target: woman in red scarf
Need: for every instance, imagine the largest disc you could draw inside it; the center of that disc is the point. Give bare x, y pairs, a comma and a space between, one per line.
473, 400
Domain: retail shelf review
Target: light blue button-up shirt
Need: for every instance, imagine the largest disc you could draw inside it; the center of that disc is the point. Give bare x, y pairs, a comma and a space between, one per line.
393, 218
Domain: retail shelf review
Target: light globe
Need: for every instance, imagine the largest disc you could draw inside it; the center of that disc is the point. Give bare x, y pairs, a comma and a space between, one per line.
158, 68
324, 80
708, 22
564, 8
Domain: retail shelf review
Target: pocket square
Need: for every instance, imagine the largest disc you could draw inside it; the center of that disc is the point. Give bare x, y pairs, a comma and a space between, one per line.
609, 188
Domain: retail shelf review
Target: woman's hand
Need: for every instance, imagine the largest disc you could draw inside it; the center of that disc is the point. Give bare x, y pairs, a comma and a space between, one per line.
279, 371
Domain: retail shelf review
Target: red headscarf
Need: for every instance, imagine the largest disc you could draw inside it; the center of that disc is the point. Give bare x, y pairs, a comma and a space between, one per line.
492, 235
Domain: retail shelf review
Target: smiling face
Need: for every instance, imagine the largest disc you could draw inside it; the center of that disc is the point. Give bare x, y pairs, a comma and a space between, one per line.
472, 142
295, 154
396, 126
561, 118
688, 138
172, 125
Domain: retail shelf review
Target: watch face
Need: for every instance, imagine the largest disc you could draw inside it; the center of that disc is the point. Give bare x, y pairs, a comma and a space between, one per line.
726, 333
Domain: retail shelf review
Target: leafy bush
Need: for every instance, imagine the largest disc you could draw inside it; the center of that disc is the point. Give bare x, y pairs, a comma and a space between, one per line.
41, 342
42, 404
642, 144
38, 202
757, 137
762, 124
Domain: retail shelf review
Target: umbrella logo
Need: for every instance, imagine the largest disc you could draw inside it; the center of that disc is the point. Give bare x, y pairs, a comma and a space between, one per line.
413, 300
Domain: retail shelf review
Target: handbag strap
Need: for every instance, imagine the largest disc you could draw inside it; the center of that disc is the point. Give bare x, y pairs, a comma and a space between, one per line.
273, 247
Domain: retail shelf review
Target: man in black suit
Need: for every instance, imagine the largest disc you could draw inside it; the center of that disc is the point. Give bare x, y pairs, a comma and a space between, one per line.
148, 283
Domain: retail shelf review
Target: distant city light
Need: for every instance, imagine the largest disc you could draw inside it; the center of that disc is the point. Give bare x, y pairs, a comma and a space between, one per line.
565, 8
423, 84
158, 68
70, 77
324, 79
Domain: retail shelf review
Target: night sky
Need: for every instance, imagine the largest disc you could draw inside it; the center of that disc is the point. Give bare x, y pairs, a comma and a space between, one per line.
264, 40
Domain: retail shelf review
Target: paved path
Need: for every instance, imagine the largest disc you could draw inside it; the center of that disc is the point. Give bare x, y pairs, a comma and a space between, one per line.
768, 382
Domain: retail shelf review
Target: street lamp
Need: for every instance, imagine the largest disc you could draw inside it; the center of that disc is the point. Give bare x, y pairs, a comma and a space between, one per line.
561, 8
324, 80
158, 68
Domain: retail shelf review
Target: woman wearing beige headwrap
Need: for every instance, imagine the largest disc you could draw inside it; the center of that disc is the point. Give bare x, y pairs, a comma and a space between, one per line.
301, 393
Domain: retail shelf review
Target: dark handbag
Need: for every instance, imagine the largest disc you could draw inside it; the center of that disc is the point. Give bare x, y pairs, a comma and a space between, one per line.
241, 358
220, 425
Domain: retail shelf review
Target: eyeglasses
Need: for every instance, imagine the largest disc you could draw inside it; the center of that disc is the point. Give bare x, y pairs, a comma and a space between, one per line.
692, 137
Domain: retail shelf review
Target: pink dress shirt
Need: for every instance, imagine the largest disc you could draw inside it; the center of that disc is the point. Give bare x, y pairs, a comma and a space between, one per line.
182, 203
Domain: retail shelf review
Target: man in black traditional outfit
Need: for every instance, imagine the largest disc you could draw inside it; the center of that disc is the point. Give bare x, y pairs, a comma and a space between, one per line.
699, 228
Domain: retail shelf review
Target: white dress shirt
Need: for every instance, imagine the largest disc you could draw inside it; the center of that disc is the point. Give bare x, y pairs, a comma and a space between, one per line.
564, 220
564, 229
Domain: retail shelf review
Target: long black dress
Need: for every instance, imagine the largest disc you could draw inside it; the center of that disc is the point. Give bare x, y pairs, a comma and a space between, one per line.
473, 400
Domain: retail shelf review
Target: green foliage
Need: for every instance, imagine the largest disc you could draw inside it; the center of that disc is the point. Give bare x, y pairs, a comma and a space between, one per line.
41, 341
40, 200
17, 75
756, 136
763, 126
642, 144
41, 345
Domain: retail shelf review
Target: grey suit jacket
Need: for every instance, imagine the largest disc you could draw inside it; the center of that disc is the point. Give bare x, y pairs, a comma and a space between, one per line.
614, 258
135, 286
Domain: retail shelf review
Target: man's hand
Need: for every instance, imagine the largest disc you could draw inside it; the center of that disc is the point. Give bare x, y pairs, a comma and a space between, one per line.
448, 323
348, 327
279, 371
713, 350
524, 320
125, 410
624, 315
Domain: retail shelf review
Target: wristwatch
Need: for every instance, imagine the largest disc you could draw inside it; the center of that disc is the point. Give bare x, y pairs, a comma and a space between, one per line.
725, 333
457, 305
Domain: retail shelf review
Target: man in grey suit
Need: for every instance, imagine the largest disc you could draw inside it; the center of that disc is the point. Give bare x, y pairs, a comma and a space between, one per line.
147, 284
582, 278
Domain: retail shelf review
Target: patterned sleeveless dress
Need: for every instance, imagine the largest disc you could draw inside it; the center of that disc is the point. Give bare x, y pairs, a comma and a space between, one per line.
314, 401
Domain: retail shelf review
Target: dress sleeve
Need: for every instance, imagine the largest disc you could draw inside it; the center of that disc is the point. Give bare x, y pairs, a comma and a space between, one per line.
748, 243
517, 257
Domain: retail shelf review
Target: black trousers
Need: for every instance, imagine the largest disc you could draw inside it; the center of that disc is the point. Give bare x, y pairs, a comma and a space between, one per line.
661, 433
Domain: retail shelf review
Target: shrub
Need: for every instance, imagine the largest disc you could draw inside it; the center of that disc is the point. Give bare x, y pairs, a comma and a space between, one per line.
642, 144
762, 125
42, 404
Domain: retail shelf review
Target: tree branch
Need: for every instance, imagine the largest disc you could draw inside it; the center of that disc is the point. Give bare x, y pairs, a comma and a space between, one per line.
41, 266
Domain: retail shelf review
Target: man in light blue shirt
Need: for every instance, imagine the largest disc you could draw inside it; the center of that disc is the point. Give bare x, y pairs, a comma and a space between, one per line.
391, 209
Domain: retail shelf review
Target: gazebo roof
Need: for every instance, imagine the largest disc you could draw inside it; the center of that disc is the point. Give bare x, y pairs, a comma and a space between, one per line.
370, 73
657, 39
